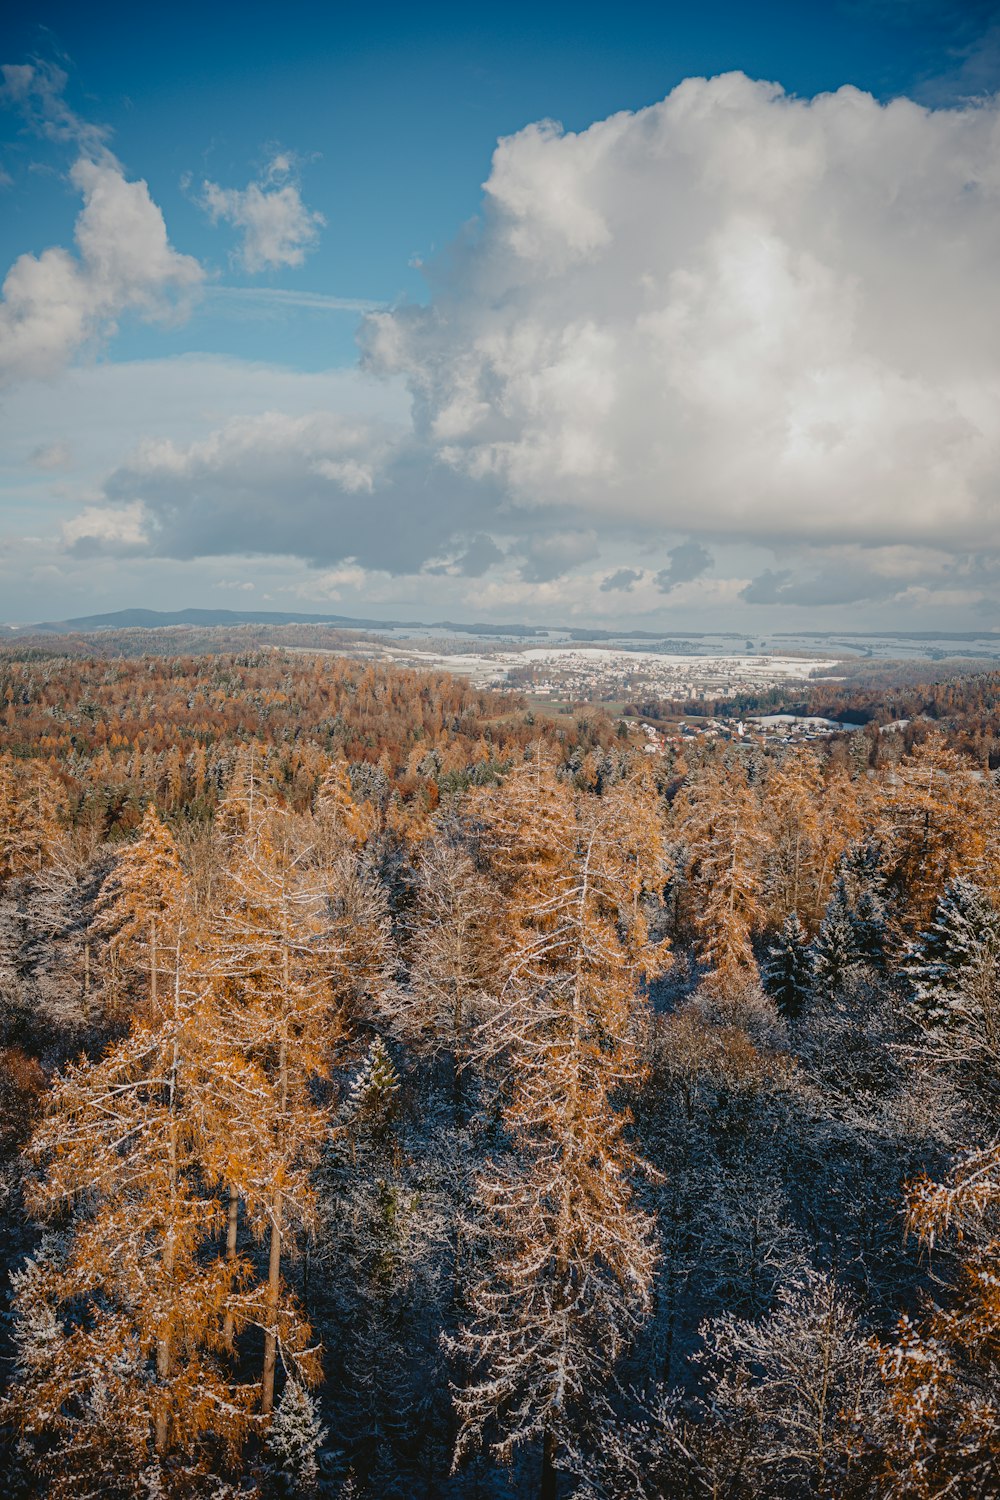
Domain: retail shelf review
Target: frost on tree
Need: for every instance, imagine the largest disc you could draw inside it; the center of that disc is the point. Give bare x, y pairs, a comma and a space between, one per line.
954, 974
567, 1257
943, 1371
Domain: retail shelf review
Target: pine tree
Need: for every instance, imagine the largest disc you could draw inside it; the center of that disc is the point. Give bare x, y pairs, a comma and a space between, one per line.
864, 871
294, 1440
372, 1098
835, 958
787, 971
954, 973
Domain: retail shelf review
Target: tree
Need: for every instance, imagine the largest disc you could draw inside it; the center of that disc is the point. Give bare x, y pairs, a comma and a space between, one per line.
121, 1368
943, 1374
568, 1257
720, 821
294, 1440
954, 974
139, 903
32, 801
271, 959
791, 812
795, 1388
787, 971
455, 956
835, 956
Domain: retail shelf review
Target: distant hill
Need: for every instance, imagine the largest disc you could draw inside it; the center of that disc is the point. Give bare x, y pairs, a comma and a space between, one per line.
155, 619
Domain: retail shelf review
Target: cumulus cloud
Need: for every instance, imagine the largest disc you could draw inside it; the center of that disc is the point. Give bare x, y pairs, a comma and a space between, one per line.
736, 317
119, 530
276, 226
688, 561
54, 304
736, 314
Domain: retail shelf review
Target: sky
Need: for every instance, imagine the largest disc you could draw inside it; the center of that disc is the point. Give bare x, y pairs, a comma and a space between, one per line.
653, 316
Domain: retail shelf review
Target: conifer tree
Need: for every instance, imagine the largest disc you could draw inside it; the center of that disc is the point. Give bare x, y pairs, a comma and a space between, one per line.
787, 971
943, 1373
791, 810
121, 1371
720, 822
277, 1004
835, 957
31, 802
455, 956
568, 1257
139, 903
954, 973
294, 1440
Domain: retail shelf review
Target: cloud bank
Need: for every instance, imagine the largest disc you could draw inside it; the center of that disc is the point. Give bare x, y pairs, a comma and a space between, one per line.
735, 316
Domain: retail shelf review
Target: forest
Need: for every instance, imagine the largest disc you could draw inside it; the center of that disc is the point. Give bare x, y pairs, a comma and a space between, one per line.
406, 1095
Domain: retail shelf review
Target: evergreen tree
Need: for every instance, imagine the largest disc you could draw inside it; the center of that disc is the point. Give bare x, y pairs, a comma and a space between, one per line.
954, 973
865, 878
787, 971
294, 1440
835, 957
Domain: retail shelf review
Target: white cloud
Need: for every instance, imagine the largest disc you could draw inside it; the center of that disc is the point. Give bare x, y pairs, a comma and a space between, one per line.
56, 303
736, 313
120, 528
735, 326
277, 228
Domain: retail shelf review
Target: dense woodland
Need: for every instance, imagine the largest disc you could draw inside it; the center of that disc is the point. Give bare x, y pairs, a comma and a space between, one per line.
406, 1098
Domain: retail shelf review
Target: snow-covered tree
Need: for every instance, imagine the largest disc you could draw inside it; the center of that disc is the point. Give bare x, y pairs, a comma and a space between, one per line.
294, 1440
954, 973
835, 957
567, 1263
943, 1371
32, 801
720, 822
131, 1370
787, 970
139, 903
796, 1387
456, 958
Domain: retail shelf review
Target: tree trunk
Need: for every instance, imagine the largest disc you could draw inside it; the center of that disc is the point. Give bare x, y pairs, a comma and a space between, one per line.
274, 1260
547, 1486
271, 1334
232, 1224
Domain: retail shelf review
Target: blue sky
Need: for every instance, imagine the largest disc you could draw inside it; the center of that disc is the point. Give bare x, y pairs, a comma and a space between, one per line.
308, 163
